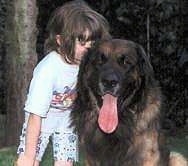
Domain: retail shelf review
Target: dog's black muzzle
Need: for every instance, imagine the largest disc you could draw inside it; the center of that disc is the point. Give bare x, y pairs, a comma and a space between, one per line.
109, 83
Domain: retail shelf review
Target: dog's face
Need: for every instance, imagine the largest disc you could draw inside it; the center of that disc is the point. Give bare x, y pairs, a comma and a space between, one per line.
115, 72
117, 109
115, 67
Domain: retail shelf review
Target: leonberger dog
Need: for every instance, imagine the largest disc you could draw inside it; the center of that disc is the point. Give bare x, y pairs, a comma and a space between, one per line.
117, 110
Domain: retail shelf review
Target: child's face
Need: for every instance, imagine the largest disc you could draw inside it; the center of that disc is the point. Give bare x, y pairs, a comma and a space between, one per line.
81, 47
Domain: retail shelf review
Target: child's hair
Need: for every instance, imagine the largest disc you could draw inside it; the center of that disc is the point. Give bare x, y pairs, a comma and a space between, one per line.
71, 21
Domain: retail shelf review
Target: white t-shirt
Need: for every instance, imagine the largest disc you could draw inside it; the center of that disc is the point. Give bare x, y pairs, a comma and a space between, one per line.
52, 88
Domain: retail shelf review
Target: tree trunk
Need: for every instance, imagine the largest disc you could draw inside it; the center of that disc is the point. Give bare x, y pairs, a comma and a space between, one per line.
21, 57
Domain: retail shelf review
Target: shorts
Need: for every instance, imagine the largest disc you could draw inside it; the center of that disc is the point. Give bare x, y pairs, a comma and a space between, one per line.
64, 141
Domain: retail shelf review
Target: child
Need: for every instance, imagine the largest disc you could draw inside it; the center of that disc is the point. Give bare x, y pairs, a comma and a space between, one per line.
73, 29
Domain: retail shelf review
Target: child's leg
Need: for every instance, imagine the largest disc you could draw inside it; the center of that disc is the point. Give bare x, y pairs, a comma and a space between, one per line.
36, 163
65, 148
41, 147
63, 163
22, 160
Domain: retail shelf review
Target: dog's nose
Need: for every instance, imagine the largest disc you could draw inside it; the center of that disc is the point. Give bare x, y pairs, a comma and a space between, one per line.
110, 81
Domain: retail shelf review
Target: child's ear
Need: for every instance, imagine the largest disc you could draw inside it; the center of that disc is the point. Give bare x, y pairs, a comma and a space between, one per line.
58, 39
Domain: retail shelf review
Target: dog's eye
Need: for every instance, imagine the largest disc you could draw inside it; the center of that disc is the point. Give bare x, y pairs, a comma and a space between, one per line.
102, 59
123, 60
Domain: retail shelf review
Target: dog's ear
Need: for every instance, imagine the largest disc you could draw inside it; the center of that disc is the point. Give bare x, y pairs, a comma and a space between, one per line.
84, 68
83, 63
87, 60
145, 66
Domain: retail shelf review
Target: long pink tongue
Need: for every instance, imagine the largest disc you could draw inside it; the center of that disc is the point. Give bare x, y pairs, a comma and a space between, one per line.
108, 116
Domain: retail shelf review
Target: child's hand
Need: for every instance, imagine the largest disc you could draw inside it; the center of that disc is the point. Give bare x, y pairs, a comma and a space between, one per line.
23, 161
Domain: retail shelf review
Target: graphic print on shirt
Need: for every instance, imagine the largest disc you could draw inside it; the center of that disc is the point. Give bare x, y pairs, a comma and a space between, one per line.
64, 100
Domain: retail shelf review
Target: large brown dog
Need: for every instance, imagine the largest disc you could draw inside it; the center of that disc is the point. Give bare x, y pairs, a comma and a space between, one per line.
117, 110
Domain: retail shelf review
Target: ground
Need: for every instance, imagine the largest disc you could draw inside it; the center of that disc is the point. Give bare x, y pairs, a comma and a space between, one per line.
177, 141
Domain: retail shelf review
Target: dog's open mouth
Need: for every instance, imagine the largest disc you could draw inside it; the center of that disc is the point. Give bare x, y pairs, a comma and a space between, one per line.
108, 116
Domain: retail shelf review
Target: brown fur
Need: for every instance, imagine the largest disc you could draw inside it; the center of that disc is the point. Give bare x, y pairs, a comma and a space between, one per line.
138, 140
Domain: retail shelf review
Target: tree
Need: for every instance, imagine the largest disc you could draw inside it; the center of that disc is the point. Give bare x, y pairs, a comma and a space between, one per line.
20, 59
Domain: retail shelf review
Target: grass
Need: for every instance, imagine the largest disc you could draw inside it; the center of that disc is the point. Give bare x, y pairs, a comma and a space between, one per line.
8, 155
179, 145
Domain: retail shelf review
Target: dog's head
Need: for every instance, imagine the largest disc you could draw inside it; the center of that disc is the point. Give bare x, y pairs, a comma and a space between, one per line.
115, 72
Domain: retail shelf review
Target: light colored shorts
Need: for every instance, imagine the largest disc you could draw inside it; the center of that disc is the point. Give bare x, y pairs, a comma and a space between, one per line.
64, 141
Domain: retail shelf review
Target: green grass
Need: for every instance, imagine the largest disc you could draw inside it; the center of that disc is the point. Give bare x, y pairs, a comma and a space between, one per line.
179, 145
8, 155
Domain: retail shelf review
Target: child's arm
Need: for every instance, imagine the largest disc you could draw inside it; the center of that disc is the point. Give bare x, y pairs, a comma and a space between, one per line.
32, 135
